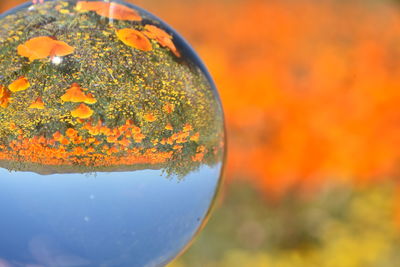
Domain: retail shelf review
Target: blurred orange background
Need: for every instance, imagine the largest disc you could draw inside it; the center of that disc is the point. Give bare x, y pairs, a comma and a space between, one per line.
311, 91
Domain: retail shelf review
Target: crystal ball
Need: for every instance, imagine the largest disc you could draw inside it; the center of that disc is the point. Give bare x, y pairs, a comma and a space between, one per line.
111, 137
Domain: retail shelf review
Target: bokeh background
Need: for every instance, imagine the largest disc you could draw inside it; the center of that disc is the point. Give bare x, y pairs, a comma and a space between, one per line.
311, 91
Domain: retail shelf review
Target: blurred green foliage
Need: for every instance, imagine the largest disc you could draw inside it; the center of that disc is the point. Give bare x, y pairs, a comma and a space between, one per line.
336, 228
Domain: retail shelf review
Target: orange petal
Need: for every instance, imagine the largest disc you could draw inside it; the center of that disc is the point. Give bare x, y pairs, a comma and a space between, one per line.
90, 99
36, 48
70, 132
195, 137
4, 96
109, 10
82, 112
150, 117
187, 128
138, 137
61, 49
135, 39
169, 108
162, 37
38, 104
154, 32
20, 84
168, 43
4, 103
57, 136
76, 95
43, 47
3, 91
169, 127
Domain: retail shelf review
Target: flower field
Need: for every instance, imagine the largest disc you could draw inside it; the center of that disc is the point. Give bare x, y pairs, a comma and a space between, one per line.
311, 91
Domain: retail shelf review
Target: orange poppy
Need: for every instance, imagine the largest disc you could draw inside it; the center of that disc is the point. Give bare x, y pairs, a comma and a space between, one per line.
187, 128
20, 84
38, 104
150, 117
43, 47
162, 37
71, 132
109, 10
57, 136
76, 95
13, 126
82, 112
4, 96
135, 39
111, 139
90, 99
136, 129
138, 137
195, 137
65, 141
169, 127
124, 142
177, 147
198, 157
169, 108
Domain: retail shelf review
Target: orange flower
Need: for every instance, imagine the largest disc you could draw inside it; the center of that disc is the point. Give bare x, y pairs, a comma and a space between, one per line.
138, 137
177, 147
169, 108
195, 137
136, 129
65, 141
124, 142
13, 126
76, 95
78, 151
57, 136
135, 39
4, 96
111, 139
43, 47
154, 32
169, 127
20, 84
109, 10
187, 127
198, 157
71, 132
150, 117
82, 112
162, 37
90, 99
38, 104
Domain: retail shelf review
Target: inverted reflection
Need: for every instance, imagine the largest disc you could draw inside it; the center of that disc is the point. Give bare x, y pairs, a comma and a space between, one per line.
111, 137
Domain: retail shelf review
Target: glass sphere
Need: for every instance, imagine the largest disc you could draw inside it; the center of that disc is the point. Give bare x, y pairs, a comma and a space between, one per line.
111, 137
